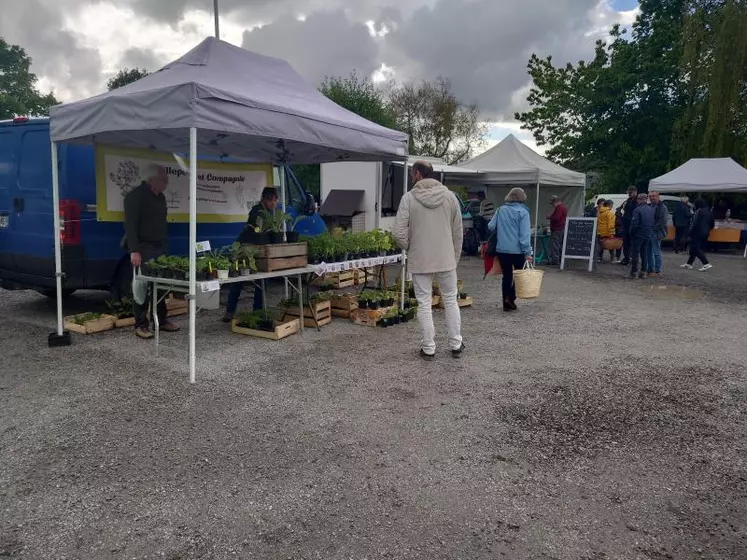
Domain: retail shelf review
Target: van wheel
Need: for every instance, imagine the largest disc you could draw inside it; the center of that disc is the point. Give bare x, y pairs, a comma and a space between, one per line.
51, 293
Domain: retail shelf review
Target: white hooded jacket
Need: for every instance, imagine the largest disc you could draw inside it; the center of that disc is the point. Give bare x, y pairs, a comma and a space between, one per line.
429, 227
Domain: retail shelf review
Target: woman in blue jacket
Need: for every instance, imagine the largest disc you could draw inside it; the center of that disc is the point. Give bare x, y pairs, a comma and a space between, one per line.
514, 241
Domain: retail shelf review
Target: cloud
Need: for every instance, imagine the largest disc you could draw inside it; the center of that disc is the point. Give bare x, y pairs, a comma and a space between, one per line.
60, 57
135, 57
325, 43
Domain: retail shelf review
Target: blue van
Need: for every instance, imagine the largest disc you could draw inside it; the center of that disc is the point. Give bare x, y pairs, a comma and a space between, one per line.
91, 254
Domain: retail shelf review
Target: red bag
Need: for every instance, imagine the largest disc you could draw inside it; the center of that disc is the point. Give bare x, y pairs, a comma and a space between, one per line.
491, 264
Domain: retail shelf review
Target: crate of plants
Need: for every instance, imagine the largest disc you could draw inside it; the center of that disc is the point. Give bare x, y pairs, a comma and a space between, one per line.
89, 323
176, 306
317, 310
395, 316
122, 311
344, 304
372, 306
262, 324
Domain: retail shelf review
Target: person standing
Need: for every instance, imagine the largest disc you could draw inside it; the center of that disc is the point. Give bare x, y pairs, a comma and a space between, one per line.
605, 229
641, 230
557, 218
661, 228
703, 223
487, 208
146, 238
267, 205
429, 227
514, 247
682, 219
595, 211
628, 208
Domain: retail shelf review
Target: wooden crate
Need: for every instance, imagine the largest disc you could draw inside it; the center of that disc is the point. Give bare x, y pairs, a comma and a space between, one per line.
369, 317
176, 306
435, 301
103, 323
281, 256
359, 276
127, 322
344, 304
340, 280
466, 302
323, 311
282, 330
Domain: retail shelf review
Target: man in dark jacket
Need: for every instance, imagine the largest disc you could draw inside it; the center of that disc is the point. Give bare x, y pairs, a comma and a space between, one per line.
703, 223
628, 208
641, 231
147, 237
682, 218
267, 205
661, 229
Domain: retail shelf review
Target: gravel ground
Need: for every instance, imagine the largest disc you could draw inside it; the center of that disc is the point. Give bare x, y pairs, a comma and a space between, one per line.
605, 420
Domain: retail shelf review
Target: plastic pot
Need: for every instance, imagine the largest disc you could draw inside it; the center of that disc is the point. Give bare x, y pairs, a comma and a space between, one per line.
276, 237
223, 275
292, 236
363, 304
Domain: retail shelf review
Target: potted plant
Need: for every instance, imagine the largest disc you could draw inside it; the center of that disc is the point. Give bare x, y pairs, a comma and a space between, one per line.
265, 321
272, 224
221, 265
363, 301
247, 320
123, 312
462, 295
292, 236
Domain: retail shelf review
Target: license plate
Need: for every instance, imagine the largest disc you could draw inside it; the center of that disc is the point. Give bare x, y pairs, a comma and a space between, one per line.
4, 221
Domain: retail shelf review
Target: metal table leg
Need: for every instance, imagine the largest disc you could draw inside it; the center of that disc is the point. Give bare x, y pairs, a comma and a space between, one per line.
154, 313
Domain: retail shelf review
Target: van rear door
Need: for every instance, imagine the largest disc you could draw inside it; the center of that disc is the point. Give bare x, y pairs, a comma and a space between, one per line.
7, 172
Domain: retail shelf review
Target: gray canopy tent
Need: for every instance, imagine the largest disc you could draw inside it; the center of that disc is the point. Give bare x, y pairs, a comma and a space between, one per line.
512, 163
703, 175
222, 101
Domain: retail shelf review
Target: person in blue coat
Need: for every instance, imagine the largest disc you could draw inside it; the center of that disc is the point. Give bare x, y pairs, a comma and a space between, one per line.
514, 241
642, 228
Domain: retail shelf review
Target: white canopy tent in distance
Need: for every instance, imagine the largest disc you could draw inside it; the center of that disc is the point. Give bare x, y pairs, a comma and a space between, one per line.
511, 163
222, 101
703, 175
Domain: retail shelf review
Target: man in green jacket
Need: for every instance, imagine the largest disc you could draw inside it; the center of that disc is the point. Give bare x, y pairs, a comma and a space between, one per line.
147, 237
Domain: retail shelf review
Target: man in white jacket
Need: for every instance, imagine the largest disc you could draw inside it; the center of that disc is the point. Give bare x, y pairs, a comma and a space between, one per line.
429, 227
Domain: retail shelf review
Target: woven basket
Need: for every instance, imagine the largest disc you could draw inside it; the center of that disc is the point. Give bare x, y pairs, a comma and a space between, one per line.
612, 243
528, 282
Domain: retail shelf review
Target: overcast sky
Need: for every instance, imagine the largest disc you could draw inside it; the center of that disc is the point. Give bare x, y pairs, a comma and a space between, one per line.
481, 45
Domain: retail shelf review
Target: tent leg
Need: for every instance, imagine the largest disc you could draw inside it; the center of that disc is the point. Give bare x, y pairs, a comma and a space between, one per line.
192, 249
59, 337
536, 218
404, 253
285, 226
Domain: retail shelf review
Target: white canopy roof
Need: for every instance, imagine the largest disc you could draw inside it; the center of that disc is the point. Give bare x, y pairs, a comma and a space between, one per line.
243, 104
511, 162
440, 166
703, 175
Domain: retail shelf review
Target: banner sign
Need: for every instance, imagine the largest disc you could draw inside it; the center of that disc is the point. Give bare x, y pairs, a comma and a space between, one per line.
225, 191
324, 268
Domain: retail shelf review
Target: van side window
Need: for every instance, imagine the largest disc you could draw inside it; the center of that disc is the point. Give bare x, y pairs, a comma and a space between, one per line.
34, 174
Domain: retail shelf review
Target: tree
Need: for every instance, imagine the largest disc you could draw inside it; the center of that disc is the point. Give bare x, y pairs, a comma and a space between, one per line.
438, 124
614, 115
126, 76
18, 92
358, 95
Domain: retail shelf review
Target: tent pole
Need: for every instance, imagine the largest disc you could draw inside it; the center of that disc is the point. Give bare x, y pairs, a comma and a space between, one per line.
57, 243
285, 225
405, 172
536, 217
192, 248
217, 19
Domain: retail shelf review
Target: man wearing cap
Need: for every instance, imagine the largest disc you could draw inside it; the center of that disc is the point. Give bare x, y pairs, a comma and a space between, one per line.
557, 217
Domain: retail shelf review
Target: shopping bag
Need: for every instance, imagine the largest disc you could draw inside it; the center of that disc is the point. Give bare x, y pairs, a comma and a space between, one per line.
528, 281
139, 287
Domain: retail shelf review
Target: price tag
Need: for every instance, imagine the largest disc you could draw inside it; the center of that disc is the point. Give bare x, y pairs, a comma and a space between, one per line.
321, 268
212, 286
347, 265
202, 246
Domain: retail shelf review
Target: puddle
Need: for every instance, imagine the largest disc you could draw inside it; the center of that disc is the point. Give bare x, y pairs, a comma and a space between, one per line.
673, 292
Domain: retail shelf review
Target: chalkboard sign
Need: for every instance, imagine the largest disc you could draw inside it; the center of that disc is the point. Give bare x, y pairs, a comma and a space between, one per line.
578, 243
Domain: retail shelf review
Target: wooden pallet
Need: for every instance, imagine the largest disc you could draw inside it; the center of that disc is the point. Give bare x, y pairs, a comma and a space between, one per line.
103, 323
281, 256
127, 322
176, 306
338, 280
281, 331
466, 302
321, 315
344, 304
369, 317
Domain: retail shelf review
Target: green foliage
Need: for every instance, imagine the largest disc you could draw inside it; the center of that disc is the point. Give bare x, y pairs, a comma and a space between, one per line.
18, 93
360, 96
460, 191
126, 76
674, 89
121, 309
273, 222
83, 318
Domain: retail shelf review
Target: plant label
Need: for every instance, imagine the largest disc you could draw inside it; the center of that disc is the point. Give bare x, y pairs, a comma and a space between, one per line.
212, 286
202, 246
321, 269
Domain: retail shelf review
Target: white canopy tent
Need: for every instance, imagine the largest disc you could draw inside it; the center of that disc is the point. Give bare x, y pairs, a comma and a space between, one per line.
512, 163
219, 100
703, 175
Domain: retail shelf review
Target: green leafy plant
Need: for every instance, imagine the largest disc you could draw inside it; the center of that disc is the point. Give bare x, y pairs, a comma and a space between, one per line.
273, 222
84, 318
121, 309
247, 320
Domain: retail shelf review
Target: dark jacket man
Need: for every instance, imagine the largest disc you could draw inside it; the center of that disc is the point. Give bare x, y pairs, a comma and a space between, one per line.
682, 215
643, 221
703, 223
661, 220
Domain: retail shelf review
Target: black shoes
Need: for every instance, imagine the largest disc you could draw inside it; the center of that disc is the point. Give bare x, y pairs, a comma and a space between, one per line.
457, 353
426, 357
509, 304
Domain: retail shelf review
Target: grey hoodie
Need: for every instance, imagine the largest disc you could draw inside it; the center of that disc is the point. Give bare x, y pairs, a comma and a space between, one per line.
429, 227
